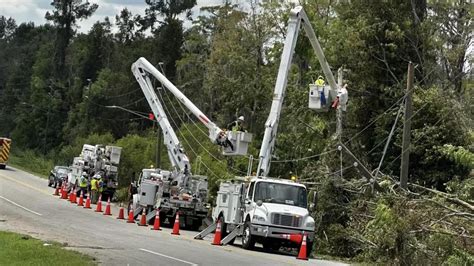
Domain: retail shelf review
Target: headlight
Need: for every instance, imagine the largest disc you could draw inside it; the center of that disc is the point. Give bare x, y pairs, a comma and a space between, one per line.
259, 218
310, 224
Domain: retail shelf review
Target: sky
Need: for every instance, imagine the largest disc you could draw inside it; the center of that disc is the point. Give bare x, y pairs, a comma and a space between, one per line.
34, 10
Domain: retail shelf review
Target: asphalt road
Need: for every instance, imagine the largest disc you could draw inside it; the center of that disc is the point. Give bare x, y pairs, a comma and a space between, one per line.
28, 206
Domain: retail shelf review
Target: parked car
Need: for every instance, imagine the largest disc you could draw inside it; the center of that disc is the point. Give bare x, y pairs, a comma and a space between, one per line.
58, 175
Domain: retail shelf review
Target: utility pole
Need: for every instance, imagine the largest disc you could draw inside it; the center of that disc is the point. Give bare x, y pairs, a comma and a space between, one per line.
407, 128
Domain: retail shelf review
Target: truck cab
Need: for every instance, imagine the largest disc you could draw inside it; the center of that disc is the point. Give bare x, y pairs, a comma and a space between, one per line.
265, 210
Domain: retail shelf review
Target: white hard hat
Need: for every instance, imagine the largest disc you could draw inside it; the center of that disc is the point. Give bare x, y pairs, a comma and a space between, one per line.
84, 173
241, 118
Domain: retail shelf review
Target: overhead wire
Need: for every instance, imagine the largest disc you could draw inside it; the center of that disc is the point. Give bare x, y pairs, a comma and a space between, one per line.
182, 135
192, 135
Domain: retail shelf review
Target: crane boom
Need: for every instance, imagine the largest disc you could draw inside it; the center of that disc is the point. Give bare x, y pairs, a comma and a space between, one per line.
233, 143
297, 17
179, 160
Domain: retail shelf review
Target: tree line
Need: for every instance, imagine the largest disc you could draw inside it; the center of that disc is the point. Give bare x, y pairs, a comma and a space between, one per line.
56, 84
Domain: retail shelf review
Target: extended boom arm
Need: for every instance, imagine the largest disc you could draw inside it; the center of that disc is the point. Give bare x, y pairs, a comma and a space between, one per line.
297, 17
178, 158
233, 143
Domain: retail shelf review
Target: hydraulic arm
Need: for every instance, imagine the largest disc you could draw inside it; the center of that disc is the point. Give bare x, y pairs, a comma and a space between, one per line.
297, 18
233, 143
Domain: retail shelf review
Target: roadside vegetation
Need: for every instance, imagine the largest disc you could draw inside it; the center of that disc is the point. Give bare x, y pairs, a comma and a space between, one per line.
56, 84
17, 249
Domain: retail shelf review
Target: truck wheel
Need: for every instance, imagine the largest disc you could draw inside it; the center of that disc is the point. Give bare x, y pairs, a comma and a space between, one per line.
309, 248
271, 246
248, 242
50, 181
223, 227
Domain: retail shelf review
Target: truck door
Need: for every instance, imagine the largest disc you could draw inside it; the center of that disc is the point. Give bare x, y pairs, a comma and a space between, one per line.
249, 198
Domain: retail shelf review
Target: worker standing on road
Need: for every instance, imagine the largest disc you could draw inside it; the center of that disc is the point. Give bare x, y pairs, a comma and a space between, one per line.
100, 185
94, 189
83, 184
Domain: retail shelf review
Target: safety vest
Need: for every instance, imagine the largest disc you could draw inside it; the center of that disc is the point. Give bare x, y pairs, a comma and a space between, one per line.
101, 185
94, 184
83, 182
320, 82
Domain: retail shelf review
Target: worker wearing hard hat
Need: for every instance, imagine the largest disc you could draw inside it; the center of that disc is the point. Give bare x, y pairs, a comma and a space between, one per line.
320, 81
237, 125
94, 189
83, 183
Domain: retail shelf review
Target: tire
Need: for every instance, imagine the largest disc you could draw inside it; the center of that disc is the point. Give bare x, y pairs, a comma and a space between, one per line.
270, 246
223, 227
2, 166
50, 181
248, 242
309, 249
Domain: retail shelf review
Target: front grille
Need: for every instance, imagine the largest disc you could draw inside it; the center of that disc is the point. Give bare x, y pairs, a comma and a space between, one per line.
286, 220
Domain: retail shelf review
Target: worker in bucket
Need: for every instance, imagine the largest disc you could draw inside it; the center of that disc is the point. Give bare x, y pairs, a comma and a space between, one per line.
94, 189
320, 81
83, 184
237, 125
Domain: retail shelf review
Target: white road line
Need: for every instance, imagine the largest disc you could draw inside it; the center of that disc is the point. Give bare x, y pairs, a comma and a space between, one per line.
169, 257
18, 205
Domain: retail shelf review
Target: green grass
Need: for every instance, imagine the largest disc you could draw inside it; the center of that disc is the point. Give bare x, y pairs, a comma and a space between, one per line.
17, 249
31, 162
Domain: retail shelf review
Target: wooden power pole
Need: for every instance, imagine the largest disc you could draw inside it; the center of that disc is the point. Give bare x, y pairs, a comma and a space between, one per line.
407, 128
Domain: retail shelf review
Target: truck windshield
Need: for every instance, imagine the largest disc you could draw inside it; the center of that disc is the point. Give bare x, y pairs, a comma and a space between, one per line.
281, 193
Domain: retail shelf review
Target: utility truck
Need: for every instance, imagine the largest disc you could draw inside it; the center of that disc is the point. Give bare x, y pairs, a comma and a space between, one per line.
177, 189
262, 209
97, 159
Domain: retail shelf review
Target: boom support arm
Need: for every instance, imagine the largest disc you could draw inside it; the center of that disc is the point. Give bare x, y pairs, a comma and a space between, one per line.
297, 17
234, 143
178, 158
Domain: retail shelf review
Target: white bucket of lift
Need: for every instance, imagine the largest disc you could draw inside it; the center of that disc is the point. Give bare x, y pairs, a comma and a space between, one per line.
319, 99
240, 142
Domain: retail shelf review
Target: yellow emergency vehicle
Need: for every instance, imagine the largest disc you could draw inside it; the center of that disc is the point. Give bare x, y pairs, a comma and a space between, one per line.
4, 151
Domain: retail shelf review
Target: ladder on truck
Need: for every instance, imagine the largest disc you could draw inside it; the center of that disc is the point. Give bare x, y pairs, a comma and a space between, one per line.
226, 240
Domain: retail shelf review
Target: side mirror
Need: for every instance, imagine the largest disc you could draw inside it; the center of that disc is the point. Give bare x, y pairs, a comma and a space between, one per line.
314, 203
259, 203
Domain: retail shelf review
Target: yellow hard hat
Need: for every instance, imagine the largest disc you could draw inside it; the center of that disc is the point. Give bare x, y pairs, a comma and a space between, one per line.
293, 178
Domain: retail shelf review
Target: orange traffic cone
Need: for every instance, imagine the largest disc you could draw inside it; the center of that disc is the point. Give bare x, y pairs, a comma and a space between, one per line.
107, 208
73, 196
88, 202
176, 225
130, 216
81, 199
99, 205
302, 255
296, 238
64, 192
156, 224
56, 191
143, 219
218, 234
121, 216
